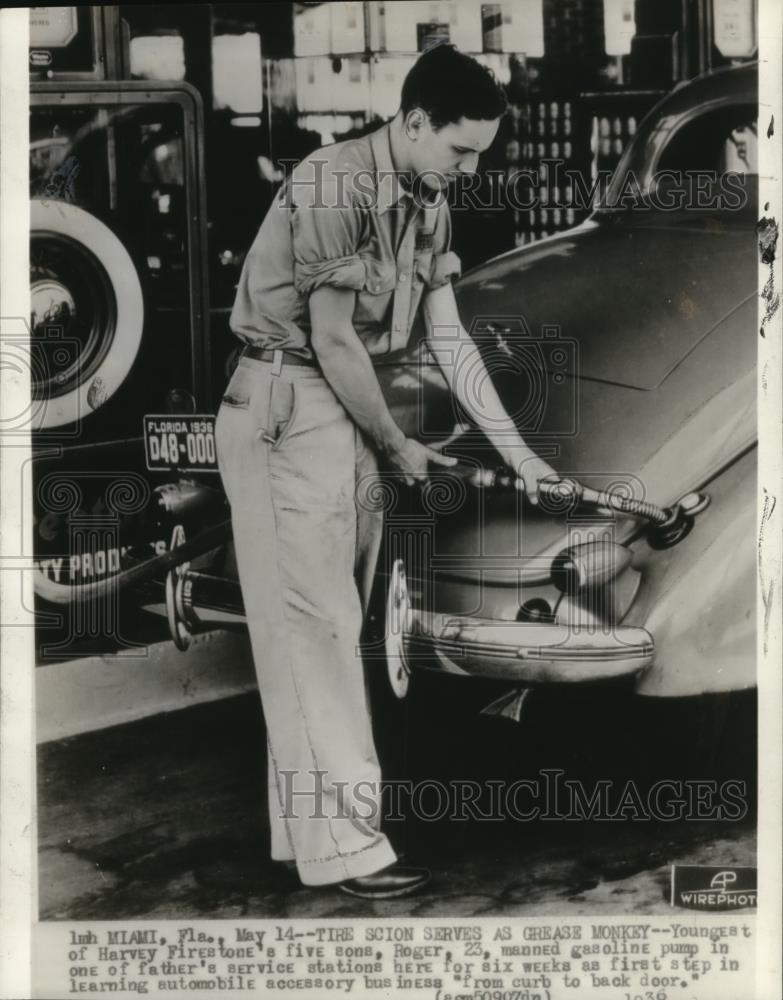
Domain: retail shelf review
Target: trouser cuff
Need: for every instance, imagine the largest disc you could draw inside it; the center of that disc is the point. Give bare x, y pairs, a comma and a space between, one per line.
323, 871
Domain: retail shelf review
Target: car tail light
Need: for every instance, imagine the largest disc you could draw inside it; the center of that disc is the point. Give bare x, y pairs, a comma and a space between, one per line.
589, 565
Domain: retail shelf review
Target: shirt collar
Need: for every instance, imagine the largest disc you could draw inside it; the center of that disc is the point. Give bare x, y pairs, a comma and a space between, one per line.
389, 188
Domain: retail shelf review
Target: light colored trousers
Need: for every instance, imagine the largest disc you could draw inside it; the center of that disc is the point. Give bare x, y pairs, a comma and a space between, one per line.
290, 459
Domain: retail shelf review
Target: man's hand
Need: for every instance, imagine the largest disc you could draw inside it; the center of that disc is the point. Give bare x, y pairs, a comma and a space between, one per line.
530, 471
411, 459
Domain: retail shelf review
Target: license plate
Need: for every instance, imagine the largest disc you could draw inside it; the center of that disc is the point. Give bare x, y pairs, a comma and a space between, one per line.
180, 441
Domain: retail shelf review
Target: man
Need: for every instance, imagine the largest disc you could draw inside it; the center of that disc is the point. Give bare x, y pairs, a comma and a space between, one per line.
356, 241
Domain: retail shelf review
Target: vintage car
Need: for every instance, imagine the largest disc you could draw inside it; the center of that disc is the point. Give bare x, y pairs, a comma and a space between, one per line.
623, 348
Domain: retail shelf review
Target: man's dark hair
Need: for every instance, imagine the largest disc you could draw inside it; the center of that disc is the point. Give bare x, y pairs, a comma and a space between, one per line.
449, 85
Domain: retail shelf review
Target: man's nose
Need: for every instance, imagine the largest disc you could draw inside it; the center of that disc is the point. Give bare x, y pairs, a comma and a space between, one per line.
468, 164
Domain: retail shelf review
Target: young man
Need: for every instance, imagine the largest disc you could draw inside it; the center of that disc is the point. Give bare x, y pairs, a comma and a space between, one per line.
342, 262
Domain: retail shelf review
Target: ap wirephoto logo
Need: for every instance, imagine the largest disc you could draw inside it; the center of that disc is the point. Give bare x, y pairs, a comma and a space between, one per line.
711, 887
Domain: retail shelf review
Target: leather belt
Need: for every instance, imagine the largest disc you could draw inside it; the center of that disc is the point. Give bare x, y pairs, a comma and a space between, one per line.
280, 356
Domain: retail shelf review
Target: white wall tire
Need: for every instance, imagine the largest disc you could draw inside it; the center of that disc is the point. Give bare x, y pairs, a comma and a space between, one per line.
64, 223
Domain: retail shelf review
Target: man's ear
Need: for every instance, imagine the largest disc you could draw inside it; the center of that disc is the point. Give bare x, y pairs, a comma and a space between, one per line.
416, 121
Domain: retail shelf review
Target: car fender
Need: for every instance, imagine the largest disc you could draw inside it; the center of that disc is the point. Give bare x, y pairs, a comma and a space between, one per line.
704, 619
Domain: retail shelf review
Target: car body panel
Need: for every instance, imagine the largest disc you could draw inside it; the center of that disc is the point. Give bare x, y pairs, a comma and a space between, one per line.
662, 445
563, 284
699, 600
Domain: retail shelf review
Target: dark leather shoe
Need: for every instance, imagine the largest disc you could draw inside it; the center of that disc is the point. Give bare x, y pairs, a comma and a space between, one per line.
394, 880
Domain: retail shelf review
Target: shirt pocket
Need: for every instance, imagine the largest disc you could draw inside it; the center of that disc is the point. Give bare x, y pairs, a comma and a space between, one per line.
380, 276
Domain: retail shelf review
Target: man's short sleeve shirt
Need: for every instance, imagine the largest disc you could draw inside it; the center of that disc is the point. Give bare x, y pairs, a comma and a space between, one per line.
344, 219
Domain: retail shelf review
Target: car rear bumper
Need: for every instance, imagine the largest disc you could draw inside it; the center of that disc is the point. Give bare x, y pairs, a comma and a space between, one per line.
522, 652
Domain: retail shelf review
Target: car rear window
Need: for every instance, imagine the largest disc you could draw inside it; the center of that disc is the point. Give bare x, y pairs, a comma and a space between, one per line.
697, 163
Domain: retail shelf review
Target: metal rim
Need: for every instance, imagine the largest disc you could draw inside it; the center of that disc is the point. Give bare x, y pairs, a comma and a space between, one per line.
397, 624
71, 293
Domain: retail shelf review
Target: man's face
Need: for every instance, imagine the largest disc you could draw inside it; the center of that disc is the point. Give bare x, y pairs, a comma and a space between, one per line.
439, 157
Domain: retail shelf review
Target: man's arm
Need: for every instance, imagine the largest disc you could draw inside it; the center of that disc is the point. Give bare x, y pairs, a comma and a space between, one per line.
348, 370
461, 362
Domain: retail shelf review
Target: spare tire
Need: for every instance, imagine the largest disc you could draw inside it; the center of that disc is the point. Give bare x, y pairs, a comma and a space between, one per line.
87, 313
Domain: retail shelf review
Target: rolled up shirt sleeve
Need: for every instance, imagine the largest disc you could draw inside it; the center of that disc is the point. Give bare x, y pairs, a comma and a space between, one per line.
325, 231
446, 265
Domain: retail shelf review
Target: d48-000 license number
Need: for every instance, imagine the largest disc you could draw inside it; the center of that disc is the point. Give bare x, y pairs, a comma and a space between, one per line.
173, 441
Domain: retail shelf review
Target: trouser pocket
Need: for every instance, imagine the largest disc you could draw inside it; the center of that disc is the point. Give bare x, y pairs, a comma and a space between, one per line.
270, 401
240, 387
257, 411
